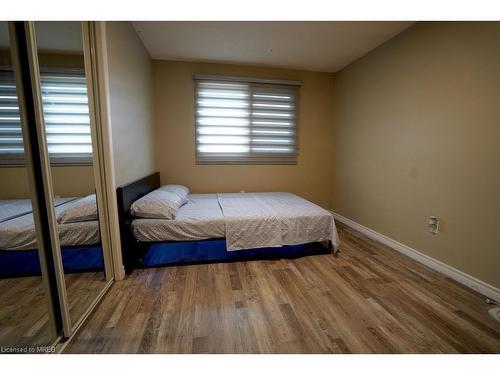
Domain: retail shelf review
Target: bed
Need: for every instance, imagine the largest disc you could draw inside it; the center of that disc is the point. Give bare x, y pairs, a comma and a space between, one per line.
223, 227
80, 240
199, 219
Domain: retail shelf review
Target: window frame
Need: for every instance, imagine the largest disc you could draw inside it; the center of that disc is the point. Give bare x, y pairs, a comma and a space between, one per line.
288, 158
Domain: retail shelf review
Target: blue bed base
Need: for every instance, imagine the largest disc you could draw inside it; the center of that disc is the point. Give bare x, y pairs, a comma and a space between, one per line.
74, 259
156, 254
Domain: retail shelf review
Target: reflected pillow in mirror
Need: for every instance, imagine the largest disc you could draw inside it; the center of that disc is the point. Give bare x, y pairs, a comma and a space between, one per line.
84, 209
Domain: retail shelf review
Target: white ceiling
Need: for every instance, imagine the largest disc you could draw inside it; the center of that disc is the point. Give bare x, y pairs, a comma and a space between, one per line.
318, 46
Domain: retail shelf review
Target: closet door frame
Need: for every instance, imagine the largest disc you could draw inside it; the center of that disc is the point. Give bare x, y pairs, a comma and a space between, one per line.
95, 32
96, 124
101, 177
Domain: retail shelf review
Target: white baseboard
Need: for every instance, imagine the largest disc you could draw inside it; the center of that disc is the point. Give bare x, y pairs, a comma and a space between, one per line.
470, 281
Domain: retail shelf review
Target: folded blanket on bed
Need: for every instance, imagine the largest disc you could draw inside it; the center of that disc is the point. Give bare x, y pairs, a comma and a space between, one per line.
256, 220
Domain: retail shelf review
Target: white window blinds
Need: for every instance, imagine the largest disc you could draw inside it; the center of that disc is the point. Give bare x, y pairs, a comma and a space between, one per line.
245, 121
66, 115
11, 138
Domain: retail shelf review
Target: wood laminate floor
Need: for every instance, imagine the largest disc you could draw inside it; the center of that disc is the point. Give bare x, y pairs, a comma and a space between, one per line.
24, 319
368, 299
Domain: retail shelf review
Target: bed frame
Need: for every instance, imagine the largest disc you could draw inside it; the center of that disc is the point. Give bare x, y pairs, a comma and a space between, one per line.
126, 195
133, 250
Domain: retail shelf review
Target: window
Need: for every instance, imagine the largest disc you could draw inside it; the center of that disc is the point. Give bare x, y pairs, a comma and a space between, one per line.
245, 121
66, 114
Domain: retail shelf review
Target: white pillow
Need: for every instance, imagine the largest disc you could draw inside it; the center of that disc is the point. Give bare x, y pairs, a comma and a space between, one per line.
157, 205
179, 190
84, 209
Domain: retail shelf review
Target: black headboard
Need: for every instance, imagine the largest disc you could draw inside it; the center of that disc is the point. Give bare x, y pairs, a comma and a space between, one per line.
126, 195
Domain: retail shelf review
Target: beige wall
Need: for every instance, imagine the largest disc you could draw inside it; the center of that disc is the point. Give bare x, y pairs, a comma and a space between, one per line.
417, 133
131, 104
175, 135
68, 181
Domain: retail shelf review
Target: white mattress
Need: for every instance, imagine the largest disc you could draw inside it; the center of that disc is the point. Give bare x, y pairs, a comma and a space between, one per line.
246, 220
18, 233
199, 219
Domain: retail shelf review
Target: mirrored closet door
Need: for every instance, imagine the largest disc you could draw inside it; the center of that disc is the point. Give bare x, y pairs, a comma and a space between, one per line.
25, 318
55, 260
66, 114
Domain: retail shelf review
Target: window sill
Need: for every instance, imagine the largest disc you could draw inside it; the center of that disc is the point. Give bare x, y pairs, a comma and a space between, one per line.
250, 162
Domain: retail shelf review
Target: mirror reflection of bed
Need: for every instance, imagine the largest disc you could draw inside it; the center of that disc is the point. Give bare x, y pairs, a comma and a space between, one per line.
20, 280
